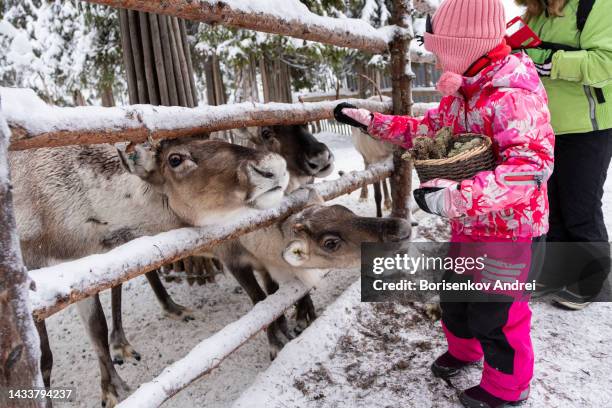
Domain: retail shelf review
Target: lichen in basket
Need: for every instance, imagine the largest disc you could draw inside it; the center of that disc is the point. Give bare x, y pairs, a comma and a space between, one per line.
443, 145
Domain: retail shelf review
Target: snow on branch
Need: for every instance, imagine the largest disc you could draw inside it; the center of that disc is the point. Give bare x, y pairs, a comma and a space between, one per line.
35, 124
209, 353
426, 6
60, 285
322, 334
284, 17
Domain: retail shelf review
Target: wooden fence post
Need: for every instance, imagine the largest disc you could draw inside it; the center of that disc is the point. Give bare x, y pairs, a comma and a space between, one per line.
401, 180
19, 342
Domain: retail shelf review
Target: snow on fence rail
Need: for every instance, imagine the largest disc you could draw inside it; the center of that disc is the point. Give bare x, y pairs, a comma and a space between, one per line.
211, 352
35, 124
46, 126
285, 17
60, 285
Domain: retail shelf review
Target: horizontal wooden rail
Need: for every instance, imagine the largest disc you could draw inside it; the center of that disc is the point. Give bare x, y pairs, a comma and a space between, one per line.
292, 19
211, 352
54, 126
60, 285
46, 126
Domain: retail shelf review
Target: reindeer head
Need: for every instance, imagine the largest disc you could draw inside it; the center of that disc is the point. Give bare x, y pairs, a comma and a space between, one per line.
205, 179
305, 155
323, 237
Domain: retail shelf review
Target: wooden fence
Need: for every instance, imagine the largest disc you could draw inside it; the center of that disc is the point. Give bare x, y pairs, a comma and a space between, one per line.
87, 125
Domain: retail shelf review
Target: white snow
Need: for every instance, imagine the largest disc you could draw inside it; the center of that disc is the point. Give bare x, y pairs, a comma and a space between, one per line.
378, 355
294, 10
512, 9
323, 334
23, 108
212, 351
426, 6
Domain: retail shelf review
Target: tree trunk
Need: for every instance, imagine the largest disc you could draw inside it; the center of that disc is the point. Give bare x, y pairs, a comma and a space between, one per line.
128, 57
219, 86
265, 81
19, 342
276, 80
157, 61
108, 99
209, 79
401, 181
77, 98
362, 83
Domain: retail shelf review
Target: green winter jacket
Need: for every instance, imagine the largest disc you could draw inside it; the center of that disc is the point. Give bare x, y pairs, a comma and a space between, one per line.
575, 104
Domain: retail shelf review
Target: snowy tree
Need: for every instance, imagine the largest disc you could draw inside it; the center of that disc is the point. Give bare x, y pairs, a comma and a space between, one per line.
68, 51
49, 53
103, 70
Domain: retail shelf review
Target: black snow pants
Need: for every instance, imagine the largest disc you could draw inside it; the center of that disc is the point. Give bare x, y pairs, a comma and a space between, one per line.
575, 191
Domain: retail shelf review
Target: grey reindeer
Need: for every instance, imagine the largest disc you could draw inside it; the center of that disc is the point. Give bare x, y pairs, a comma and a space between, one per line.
306, 159
75, 201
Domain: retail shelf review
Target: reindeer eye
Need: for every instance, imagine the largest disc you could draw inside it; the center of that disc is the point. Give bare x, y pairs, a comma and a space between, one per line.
175, 160
266, 134
331, 244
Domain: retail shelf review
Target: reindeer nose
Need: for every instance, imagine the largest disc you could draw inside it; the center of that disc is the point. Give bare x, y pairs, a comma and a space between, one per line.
319, 158
396, 230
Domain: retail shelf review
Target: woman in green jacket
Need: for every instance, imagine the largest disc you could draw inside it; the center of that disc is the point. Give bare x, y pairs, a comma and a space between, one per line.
575, 65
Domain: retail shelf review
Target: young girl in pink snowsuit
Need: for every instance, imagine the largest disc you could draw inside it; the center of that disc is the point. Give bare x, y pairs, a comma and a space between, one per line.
488, 91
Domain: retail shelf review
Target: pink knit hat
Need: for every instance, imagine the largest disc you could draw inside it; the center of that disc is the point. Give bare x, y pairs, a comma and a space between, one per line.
465, 30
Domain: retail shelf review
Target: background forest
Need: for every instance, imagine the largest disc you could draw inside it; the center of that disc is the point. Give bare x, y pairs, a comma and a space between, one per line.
70, 53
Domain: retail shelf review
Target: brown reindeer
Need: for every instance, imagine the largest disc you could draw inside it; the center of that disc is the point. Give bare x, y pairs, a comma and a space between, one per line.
305, 245
75, 201
306, 159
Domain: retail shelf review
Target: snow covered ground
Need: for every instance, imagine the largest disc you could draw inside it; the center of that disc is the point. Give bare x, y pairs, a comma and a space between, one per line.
366, 355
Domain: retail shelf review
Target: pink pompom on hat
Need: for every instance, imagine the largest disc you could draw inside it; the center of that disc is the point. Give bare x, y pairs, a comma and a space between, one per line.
464, 31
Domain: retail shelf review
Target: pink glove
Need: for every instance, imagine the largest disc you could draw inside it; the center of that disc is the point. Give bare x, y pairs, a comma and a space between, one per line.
362, 116
441, 197
351, 115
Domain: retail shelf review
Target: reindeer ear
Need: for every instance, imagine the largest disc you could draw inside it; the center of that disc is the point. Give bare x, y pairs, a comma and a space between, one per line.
296, 253
140, 161
314, 197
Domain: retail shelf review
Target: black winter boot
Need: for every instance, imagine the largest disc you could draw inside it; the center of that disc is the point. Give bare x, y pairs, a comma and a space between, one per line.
476, 397
447, 366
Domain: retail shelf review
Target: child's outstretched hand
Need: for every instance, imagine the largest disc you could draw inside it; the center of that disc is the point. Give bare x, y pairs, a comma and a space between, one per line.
440, 197
353, 116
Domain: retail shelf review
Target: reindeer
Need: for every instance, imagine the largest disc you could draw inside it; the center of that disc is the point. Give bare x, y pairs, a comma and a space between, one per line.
304, 245
306, 159
373, 151
75, 201
260, 250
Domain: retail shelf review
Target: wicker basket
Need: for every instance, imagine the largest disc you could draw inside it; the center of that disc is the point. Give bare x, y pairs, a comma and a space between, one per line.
460, 167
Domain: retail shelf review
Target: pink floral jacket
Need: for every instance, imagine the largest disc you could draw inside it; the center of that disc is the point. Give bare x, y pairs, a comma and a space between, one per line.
507, 102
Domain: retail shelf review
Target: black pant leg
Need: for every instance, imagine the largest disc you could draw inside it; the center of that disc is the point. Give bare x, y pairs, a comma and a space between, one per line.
455, 308
455, 318
549, 274
556, 230
486, 322
581, 166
